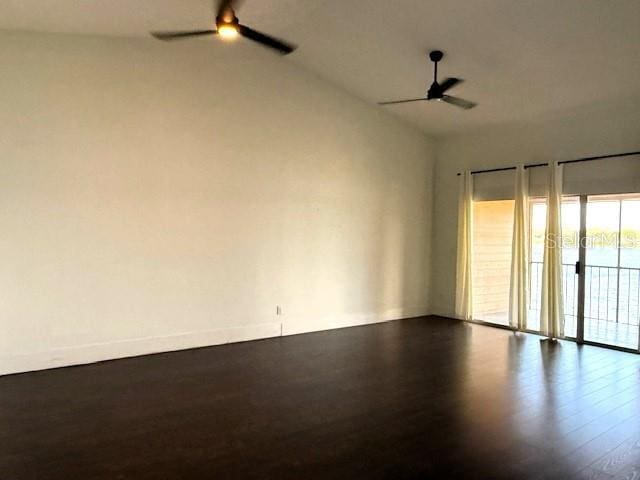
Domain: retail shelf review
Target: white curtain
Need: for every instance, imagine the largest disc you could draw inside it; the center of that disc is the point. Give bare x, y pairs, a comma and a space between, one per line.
552, 310
519, 289
465, 257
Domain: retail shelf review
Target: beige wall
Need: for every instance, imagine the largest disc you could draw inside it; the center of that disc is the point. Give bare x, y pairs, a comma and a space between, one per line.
585, 131
156, 197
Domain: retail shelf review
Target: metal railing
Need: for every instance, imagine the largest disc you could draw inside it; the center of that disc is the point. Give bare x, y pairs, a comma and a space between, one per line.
612, 296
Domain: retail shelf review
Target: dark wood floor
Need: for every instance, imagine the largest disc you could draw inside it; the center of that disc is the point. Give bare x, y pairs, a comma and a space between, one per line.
408, 399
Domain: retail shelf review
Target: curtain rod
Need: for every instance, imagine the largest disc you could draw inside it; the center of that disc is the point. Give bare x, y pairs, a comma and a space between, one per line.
577, 160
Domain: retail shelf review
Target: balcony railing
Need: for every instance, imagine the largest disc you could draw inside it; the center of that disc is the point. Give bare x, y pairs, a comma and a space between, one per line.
612, 299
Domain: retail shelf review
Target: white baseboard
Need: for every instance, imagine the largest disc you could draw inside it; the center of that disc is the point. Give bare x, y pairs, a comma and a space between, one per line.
301, 325
97, 352
91, 353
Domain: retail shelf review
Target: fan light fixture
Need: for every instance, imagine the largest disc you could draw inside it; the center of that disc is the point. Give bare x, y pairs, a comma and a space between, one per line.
228, 31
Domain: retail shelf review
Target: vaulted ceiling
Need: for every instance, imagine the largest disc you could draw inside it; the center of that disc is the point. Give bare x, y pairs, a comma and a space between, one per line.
521, 60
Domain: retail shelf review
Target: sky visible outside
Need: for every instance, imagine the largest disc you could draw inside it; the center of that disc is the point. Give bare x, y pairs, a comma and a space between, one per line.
601, 215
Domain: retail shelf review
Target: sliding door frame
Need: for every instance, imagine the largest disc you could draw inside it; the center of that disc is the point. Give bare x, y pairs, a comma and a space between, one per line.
581, 272
584, 201
581, 268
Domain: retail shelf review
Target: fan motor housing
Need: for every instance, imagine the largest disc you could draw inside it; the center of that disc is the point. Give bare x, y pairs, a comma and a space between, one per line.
434, 92
227, 20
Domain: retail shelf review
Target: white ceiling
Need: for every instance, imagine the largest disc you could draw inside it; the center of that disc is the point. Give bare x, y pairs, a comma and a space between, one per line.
522, 59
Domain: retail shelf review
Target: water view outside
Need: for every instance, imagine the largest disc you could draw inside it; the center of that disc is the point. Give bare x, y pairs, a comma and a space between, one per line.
612, 274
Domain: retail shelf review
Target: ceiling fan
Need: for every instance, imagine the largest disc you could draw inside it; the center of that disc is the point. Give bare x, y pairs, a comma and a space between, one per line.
437, 90
228, 27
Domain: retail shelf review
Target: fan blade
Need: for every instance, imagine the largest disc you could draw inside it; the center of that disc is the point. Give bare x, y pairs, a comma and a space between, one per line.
267, 41
458, 102
168, 36
449, 83
403, 101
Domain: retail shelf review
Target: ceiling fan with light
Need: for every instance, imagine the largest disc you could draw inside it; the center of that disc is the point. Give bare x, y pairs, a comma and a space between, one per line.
437, 90
229, 27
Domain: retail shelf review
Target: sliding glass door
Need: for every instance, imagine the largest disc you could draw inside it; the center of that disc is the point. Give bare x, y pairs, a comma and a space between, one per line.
600, 271
601, 268
612, 270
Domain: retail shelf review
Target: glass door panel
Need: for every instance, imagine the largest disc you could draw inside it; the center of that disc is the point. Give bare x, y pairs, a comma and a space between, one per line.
537, 226
570, 255
612, 270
